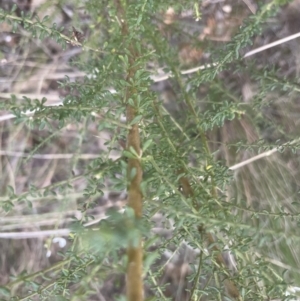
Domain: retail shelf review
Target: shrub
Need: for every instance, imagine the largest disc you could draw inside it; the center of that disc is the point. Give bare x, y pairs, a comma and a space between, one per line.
203, 168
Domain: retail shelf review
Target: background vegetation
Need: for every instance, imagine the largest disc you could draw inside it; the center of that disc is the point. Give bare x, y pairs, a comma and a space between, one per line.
149, 138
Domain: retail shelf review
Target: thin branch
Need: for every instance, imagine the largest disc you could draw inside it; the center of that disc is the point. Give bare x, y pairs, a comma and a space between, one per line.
273, 44
35, 234
251, 7
263, 155
48, 156
45, 233
134, 277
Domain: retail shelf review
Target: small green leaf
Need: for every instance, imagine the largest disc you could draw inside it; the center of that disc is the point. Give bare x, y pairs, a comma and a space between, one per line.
5, 292
133, 151
46, 18
136, 119
14, 8
65, 272
129, 154
133, 173
42, 125
147, 144
131, 102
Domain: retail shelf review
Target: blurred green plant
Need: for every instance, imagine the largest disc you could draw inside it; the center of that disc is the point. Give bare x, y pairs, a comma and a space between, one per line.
252, 211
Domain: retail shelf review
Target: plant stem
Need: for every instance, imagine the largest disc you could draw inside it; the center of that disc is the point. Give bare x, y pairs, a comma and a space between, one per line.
134, 281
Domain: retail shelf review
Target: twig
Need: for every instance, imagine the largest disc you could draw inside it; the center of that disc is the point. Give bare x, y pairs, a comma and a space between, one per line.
263, 155
35, 234
48, 156
250, 6
273, 44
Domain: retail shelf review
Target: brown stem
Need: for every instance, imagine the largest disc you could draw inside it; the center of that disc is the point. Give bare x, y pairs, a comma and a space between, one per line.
134, 253
134, 281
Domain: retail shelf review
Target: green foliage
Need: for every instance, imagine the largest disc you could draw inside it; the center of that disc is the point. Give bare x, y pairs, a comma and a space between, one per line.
254, 211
